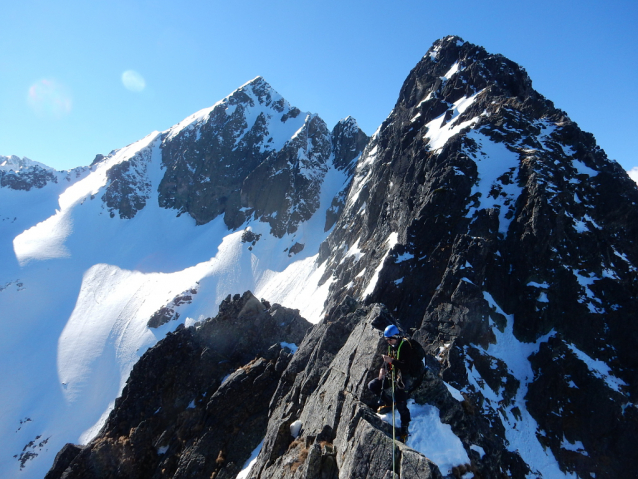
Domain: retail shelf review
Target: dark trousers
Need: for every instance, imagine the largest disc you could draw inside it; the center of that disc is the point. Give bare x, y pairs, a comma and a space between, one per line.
383, 389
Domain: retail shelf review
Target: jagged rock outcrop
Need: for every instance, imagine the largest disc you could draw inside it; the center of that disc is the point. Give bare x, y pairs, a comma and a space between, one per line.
196, 404
168, 312
348, 141
128, 186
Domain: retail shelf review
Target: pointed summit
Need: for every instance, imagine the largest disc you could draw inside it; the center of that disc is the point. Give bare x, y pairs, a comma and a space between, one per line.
211, 153
453, 68
348, 141
258, 91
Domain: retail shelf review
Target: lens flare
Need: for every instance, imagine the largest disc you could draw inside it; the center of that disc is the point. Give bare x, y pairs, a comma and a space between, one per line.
49, 99
133, 81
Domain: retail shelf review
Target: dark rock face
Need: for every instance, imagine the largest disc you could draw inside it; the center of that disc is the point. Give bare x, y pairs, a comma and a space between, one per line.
348, 141
207, 164
600, 441
168, 312
284, 189
518, 220
63, 459
196, 404
128, 185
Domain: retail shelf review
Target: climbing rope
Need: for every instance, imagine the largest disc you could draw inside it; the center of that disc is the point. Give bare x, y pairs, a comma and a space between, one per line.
394, 440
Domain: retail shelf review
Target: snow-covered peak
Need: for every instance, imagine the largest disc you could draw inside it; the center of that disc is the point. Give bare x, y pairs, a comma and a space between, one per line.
260, 91
258, 80
255, 94
16, 164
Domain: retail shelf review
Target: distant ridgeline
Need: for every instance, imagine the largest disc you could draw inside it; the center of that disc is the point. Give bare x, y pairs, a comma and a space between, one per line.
478, 216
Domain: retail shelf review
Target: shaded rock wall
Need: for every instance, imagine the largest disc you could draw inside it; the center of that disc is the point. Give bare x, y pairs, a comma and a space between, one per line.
128, 186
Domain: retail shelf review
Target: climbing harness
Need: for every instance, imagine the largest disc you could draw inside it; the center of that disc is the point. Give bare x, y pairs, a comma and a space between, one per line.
399, 378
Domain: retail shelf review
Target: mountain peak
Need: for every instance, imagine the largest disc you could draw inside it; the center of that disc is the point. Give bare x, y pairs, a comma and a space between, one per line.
451, 42
258, 91
453, 69
252, 93
257, 81
16, 163
349, 122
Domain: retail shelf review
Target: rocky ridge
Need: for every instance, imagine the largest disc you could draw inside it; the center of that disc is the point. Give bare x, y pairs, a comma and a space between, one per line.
24, 174
196, 404
185, 414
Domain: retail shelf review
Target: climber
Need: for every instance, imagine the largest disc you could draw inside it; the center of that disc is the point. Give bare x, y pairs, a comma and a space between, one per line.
399, 358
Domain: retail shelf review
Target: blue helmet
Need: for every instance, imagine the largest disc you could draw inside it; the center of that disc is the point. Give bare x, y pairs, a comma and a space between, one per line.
391, 331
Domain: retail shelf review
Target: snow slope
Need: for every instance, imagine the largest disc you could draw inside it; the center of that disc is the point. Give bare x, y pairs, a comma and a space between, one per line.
78, 287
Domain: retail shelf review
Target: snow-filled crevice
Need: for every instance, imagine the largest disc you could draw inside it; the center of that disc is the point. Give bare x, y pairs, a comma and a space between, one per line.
441, 129
520, 427
390, 243
496, 186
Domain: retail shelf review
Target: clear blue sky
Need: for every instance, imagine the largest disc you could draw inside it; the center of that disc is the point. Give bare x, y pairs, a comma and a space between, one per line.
334, 58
